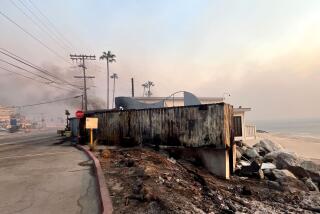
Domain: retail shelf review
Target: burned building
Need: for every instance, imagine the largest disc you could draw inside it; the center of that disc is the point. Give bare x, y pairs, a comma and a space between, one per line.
205, 128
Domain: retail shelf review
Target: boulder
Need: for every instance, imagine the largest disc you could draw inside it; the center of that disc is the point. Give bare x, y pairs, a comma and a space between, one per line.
310, 166
252, 153
268, 166
252, 170
288, 181
244, 163
282, 159
240, 152
268, 174
266, 146
275, 174
282, 173
292, 184
299, 167
311, 186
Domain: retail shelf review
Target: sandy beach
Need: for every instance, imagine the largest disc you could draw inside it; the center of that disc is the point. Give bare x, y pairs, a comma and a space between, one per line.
304, 146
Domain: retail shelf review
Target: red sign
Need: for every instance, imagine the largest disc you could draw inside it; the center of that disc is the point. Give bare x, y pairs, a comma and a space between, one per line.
79, 114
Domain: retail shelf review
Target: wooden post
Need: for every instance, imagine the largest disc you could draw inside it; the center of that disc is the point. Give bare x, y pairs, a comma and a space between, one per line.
91, 138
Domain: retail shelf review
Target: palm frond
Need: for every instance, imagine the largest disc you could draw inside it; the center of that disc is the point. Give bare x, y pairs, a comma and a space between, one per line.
103, 56
110, 57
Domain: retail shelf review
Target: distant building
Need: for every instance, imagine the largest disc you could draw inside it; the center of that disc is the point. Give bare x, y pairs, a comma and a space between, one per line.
5, 114
243, 130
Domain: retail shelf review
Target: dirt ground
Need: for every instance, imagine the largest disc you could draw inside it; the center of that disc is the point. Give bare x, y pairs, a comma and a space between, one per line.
141, 180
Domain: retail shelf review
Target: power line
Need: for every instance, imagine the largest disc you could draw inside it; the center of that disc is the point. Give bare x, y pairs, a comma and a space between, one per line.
21, 75
35, 23
19, 59
25, 62
52, 25
35, 38
45, 83
50, 81
43, 103
43, 24
26, 70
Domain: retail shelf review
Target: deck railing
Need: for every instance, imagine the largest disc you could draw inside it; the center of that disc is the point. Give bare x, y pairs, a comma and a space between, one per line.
250, 131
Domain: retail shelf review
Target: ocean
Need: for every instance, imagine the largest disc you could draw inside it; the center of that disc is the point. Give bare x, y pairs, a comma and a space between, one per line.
294, 127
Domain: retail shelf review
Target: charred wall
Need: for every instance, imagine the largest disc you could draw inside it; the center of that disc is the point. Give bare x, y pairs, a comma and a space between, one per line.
191, 126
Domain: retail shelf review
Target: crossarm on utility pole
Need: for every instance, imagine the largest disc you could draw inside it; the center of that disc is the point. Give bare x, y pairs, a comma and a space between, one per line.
82, 59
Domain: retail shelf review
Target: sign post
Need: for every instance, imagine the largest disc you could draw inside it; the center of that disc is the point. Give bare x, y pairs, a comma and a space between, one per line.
91, 138
91, 123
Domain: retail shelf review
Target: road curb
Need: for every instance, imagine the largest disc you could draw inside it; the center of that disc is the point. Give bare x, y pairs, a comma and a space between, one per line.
106, 204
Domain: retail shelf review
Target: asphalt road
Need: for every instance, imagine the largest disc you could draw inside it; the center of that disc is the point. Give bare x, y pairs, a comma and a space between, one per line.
39, 174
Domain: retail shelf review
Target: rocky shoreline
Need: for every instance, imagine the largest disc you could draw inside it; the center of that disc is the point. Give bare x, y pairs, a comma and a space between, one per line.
269, 160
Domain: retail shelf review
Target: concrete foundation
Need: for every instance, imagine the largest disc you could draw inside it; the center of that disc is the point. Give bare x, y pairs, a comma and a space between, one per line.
216, 161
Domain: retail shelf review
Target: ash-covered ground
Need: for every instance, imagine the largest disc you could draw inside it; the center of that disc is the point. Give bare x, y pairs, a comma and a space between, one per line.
142, 180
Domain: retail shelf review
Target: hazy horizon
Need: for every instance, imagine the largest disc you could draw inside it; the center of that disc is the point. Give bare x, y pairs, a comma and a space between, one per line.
264, 53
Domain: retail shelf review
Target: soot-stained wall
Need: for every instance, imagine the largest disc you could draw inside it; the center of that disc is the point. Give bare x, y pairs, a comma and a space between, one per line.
192, 126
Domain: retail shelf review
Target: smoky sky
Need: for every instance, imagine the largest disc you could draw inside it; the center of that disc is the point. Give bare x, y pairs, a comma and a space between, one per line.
265, 54
19, 91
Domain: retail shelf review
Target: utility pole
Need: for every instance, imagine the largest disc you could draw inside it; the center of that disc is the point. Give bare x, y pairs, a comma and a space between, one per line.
43, 124
82, 59
82, 102
132, 87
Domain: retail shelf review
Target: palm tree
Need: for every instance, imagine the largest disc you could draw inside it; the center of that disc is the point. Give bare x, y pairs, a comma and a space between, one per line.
110, 58
147, 86
114, 76
144, 85
149, 83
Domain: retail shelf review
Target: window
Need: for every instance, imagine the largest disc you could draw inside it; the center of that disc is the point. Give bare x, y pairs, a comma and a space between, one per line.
237, 124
